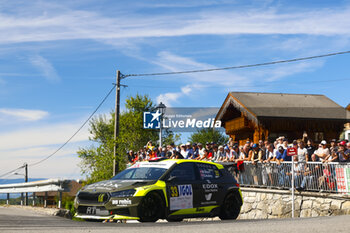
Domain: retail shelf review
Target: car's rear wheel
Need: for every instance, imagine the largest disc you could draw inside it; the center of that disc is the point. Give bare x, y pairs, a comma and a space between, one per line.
231, 206
151, 207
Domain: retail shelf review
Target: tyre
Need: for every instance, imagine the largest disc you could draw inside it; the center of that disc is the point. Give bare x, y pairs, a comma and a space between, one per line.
231, 206
151, 208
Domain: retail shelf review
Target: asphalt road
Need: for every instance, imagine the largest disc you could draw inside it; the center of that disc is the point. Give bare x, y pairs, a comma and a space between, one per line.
20, 220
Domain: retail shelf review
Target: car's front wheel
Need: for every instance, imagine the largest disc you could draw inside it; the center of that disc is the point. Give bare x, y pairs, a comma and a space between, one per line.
231, 206
151, 207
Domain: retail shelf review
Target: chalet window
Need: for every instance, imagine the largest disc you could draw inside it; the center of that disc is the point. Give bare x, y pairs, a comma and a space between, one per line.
319, 136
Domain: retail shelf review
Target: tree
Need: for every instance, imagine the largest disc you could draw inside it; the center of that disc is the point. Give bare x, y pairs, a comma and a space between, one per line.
97, 159
208, 135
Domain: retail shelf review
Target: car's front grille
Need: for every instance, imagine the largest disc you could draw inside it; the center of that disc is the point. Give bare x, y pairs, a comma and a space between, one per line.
93, 198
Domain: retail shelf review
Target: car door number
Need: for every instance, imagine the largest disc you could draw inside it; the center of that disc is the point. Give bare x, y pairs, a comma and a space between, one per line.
173, 191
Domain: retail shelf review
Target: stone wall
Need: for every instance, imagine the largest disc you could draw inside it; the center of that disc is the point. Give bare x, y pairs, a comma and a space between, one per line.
267, 203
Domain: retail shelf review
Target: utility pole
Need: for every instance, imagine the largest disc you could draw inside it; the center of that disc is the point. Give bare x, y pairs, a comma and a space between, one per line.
26, 180
116, 124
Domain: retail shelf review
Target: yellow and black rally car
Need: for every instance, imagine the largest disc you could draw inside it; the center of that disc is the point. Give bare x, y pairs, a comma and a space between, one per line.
163, 189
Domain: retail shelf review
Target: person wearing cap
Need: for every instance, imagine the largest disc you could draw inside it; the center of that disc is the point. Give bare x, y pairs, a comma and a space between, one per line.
200, 150
189, 151
281, 155
279, 141
195, 152
255, 154
221, 153
342, 153
322, 152
334, 147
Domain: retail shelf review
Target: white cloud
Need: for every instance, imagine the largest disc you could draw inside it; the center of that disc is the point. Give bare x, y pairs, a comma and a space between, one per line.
67, 24
171, 97
45, 67
21, 114
63, 165
41, 136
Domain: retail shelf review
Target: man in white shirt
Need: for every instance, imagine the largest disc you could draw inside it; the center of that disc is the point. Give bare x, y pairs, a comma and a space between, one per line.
322, 152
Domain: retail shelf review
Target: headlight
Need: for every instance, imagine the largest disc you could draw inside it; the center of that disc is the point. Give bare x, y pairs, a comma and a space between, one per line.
124, 193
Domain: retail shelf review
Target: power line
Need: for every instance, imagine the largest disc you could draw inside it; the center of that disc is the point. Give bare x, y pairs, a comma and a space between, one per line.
92, 114
256, 85
239, 67
12, 171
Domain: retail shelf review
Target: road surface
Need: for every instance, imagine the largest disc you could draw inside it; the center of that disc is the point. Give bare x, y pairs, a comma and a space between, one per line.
21, 220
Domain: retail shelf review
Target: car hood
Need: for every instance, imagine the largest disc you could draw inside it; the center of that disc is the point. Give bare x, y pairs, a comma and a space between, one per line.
116, 185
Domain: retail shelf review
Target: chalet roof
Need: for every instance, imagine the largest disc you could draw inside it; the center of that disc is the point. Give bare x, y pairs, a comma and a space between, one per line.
256, 105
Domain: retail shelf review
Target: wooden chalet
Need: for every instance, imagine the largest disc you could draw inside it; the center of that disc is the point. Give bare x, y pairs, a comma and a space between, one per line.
266, 116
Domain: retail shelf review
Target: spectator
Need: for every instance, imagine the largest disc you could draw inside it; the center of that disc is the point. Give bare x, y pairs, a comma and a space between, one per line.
200, 149
333, 149
189, 151
221, 154
347, 148
302, 152
215, 153
255, 155
183, 151
244, 154
322, 152
163, 152
131, 156
270, 155
262, 148
310, 151
279, 142
204, 157
343, 153
149, 145
195, 152
281, 155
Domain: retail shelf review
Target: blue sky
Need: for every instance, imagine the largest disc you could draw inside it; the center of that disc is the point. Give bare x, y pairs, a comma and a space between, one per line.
58, 59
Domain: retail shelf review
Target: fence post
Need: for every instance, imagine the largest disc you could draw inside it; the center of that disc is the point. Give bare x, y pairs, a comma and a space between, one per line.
8, 199
60, 200
45, 200
34, 199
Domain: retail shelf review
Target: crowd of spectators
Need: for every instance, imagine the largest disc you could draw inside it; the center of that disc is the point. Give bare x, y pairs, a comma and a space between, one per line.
261, 163
264, 151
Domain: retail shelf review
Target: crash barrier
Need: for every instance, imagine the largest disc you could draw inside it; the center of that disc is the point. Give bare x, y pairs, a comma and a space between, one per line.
50, 185
310, 176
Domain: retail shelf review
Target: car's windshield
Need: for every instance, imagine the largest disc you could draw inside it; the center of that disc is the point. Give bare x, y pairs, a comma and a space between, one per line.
140, 173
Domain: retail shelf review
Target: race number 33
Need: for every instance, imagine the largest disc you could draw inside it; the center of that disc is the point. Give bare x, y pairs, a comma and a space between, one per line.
173, 191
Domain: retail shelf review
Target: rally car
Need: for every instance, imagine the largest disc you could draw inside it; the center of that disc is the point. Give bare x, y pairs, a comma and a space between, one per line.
166, 189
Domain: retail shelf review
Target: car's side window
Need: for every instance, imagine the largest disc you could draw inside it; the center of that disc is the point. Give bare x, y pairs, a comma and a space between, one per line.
208, 171
184, 171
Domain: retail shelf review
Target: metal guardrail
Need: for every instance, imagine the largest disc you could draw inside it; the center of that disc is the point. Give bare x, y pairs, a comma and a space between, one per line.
311, 176
50, 185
